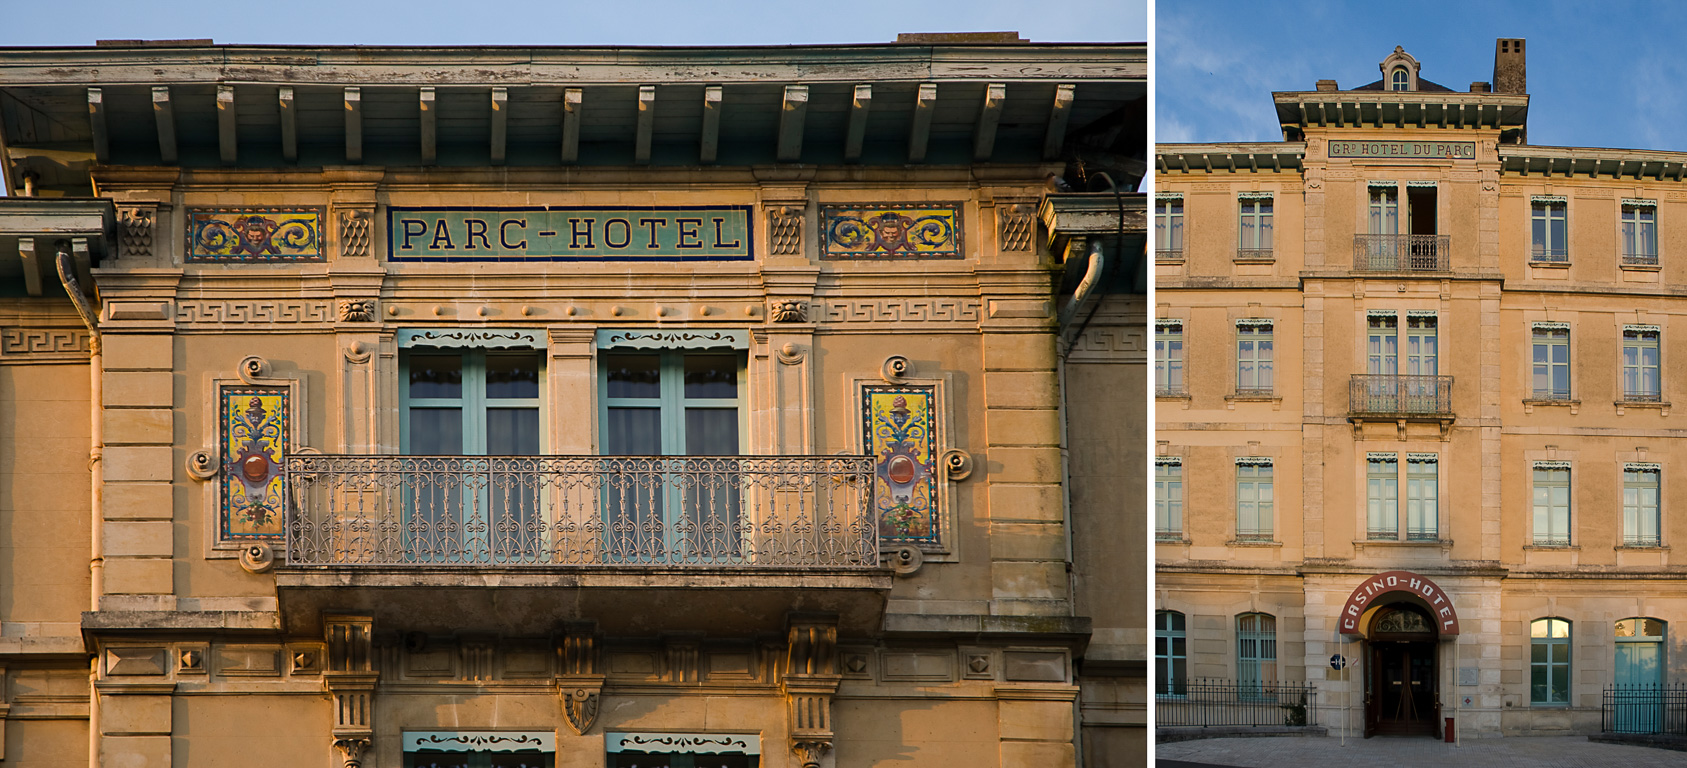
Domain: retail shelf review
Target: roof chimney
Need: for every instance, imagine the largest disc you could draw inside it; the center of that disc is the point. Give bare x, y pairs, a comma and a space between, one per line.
1510, 75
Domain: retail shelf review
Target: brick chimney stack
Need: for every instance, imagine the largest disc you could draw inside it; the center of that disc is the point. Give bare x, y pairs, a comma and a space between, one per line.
1510, 74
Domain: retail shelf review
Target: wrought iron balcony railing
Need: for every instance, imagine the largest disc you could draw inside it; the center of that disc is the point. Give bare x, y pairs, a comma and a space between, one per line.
1396, 396
1401, 253
1640, 259
518, 511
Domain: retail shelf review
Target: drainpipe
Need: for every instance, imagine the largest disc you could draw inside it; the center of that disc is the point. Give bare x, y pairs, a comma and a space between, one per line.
96, 441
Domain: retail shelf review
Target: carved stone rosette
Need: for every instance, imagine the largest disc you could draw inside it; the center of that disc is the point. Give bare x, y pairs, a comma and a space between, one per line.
579, 682
350, 680
811, 680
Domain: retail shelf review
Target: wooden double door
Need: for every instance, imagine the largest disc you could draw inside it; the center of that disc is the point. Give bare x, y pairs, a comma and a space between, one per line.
1401, 697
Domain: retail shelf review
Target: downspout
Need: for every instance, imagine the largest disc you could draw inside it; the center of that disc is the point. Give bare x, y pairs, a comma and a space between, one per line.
96, 493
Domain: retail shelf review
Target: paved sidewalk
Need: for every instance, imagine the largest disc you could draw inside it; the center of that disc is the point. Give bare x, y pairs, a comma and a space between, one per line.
1388, 752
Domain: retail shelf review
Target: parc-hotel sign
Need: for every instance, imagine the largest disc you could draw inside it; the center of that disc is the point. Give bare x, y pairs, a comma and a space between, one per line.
679, 233
1403, 150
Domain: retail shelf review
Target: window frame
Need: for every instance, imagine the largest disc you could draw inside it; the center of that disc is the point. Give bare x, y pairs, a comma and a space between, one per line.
1559, 476
1548, 336
1638, 516
671, 397
1638, 236
1256, 474
1168, 498
1421, 507
1541, 636
1256, 671
1166, 334
1255, 224
473, 400
1382, 496
1633, 377
1171, 678
1400, 80
1549, 215
1259, 334
1169, 229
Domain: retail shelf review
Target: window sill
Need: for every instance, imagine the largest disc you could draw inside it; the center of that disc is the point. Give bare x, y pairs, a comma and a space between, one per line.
1529, 404
1405, 543
1274, 399
1254, 543
1169, 395
1662, 406
1641, 267
1170, 538
1643, 547
1553, 547
1565, 264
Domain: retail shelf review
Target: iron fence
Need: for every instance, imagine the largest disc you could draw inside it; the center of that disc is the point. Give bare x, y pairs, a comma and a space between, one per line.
1401, 253
1206, 703
1384, 394
472, 511
1657, 708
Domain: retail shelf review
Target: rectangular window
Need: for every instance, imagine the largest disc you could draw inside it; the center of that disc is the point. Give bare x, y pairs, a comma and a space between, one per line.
1385, 211
1551, 504
1171, 654
1382, 496
681, 750
1641, 380
1253, 357
1382, 345
1253, 500
1168, 358
1423, 347
1168, 228
672, 403
1550, 374
1640, 234
461, 403
1423, 491
1255, 228
479, 749
1548, 234
1640, 505
1168, 498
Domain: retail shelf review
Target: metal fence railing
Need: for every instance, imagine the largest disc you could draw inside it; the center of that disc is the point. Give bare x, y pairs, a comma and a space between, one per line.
1401, 253
501, 511
1383, 394
1648, 709
1206, 703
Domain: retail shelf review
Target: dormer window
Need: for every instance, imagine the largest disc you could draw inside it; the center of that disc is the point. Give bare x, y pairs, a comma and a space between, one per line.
1399, 72
1400, 80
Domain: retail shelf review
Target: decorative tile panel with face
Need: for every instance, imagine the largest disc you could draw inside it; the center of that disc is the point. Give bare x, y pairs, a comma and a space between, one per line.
254, 235
890, 231
255, 423
901, 435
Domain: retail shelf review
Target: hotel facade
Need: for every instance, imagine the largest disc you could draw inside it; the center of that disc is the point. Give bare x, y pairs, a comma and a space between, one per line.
702, 408
1413, 415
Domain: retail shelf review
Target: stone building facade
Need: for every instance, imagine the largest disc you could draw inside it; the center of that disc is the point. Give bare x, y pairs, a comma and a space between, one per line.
496, 406
1413, 411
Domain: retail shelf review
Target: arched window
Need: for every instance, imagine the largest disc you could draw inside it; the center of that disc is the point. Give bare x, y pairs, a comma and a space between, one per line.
1171, 654
1256, 653
1549, 661
1400, 81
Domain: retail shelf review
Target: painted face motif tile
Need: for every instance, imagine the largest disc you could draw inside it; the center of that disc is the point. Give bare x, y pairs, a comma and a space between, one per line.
254, 235
916, 231
901, 436
254, 423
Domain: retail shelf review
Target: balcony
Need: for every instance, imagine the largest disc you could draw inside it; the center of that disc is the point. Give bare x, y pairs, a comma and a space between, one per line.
671, 541
1401, 253
1401, 398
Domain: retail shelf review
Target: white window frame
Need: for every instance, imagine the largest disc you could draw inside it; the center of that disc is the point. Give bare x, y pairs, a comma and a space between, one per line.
1169, 366
1256, 345
1544, 245
1636, 372
1168, 227
1168, 498
1255, 238
1256, 656
1255, 499
1382, 496
1548, 336
1638, 233
1551, 523
1642, 504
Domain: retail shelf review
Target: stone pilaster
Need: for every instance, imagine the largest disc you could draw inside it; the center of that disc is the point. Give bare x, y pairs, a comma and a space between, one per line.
350, 680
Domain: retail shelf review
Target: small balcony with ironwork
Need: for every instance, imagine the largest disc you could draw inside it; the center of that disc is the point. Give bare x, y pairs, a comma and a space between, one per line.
1402, 253
674, 541
1401, 399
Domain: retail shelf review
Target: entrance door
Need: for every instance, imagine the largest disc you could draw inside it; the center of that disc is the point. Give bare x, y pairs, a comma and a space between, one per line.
1401, 700
1639, 676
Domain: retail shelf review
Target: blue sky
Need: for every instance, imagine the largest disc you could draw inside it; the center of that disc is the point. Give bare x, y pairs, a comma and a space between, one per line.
1602, 74
562, 22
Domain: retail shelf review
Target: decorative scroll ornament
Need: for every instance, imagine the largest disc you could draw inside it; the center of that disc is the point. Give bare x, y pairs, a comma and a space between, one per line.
357, 310
788, 311
895, 368
354, 233
254, 422
914, 231
900, 433
957, 464
580, 706
254, 235
257, 557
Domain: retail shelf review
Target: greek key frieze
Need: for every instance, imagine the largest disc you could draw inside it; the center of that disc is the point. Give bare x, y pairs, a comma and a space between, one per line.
259, 312
897, 310
43, 343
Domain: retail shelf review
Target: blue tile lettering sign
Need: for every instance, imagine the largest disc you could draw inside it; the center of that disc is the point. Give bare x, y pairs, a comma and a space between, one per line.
713, 233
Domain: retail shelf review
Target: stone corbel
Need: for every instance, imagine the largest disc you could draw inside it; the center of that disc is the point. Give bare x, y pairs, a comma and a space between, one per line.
810, 681
350, 680
579, 681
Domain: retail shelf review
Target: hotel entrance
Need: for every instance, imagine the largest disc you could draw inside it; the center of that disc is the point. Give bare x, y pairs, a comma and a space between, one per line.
1401, 681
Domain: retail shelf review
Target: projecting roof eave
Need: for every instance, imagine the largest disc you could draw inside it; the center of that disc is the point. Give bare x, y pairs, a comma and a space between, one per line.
1254, 157
1592, 162
1419, 109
